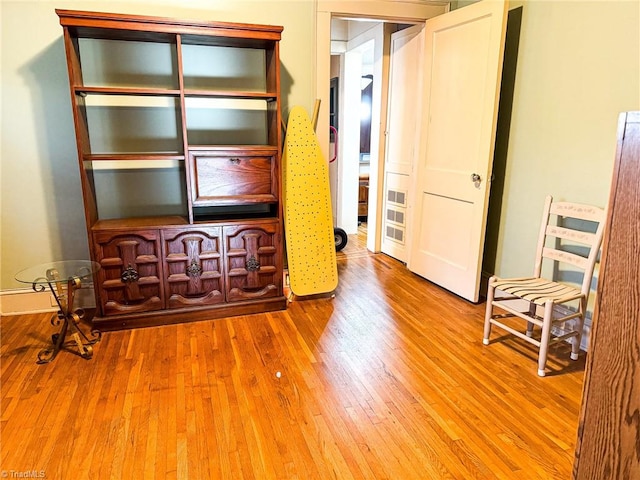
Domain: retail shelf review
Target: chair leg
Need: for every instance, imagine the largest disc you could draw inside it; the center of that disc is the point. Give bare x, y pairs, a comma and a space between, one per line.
544, 341
577, 340
489, 312
532, 313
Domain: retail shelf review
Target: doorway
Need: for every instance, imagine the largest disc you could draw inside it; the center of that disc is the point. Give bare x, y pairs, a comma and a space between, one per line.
462, 62
358, 110
384, 15
352, 84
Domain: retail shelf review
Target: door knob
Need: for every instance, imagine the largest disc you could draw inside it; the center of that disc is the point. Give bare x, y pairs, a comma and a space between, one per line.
476, 179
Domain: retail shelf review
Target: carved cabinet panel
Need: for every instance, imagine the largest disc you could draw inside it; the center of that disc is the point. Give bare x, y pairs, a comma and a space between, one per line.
193, 266
252, 253
129, 280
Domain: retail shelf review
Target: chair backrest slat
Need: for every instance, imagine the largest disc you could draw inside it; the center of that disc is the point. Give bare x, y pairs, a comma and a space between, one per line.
577, 210
577, 236
566, 257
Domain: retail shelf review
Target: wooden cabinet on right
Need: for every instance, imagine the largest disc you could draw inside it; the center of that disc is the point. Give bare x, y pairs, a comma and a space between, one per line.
608, 444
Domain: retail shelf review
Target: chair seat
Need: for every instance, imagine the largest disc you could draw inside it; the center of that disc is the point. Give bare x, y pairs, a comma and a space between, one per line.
536, 290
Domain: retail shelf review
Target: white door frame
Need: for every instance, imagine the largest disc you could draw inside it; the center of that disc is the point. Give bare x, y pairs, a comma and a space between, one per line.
389, 10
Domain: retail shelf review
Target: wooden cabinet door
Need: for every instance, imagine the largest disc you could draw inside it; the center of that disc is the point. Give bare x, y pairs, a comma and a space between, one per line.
253, 262
193, 266
608, 444
129, 280
230, 177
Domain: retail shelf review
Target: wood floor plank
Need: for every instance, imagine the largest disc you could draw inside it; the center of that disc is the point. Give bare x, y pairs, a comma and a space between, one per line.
387, 380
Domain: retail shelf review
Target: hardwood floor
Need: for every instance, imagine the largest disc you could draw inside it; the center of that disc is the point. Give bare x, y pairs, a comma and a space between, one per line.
388, 380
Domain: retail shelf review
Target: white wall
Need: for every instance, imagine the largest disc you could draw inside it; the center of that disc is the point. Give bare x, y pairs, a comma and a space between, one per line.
578, 68
41, 203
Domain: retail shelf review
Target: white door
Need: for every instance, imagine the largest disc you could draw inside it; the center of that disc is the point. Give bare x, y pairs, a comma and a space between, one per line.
462, 72
403, 113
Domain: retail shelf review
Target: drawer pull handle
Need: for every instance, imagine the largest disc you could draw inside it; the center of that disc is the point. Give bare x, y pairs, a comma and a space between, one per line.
252, 264
129, 275
194, 269
235, 161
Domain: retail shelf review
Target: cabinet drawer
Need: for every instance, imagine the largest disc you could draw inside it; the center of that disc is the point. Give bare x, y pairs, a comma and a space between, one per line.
228, 179
193, 266
253, 261
130, 278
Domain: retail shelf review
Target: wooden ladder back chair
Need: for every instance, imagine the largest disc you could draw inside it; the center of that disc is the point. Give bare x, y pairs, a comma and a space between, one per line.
550, 303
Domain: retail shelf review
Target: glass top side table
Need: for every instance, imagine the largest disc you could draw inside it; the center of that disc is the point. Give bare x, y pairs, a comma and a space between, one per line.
63, 279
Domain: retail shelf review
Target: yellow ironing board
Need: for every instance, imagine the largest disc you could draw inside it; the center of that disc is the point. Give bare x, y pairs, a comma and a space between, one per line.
310, 241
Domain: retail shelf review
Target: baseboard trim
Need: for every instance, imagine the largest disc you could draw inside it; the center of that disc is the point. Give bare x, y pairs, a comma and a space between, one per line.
25, 301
